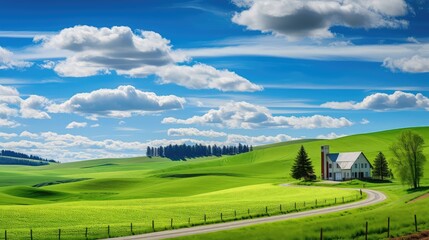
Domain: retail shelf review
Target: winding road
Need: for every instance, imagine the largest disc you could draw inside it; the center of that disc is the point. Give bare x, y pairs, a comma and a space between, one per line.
373, 198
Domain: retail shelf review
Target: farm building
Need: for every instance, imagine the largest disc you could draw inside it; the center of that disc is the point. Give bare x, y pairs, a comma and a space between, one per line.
344, 166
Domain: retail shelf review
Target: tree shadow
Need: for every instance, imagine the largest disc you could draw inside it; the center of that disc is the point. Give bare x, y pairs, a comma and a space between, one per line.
419, 189
374, 180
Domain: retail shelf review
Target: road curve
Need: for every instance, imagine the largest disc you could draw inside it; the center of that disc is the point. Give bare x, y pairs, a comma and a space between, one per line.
373, 197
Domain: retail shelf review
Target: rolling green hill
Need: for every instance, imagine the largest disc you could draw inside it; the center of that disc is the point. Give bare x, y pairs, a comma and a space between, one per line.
116, 192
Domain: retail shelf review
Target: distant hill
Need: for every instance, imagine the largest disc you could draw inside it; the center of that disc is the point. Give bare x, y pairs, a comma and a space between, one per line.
8, 157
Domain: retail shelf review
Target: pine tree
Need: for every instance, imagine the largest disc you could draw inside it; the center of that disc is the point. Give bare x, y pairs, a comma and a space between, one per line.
381, 168
303, 167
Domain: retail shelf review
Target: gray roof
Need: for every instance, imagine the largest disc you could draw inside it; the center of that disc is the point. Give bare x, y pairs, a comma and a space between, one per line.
345, 160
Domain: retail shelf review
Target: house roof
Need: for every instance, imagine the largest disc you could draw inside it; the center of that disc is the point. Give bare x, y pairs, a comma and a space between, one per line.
345, 160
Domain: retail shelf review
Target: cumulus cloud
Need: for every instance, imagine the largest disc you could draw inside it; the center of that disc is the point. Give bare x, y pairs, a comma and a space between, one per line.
201, 76
257, 140
8, 123
27, 134
7, 135
33, 106
382, 101
331, 135
120, 102
248, 116
414, 64
8, 61
181, 132
96, 51
76, 125
313, 18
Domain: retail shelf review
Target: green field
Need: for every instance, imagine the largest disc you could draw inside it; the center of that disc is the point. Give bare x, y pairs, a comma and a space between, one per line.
116, 192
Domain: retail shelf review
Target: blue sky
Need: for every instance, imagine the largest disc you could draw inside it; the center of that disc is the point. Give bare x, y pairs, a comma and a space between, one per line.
82, 80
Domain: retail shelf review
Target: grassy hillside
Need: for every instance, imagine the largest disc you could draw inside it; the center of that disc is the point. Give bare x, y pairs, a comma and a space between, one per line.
117, 192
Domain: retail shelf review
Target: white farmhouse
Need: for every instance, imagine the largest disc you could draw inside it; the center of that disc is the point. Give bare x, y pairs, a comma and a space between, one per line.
343, 166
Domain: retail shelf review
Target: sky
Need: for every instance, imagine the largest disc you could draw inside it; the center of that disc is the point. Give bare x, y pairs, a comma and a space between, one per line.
105, 79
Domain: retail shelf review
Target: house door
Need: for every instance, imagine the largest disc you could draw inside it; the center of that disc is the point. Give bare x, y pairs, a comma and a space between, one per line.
338, 176
360, 174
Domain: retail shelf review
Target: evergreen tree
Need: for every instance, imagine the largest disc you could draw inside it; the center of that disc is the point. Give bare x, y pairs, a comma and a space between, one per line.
303, 167
381, 168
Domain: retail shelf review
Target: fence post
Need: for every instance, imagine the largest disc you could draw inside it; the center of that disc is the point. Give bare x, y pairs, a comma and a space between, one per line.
388, 227
131, 228
31, 234
205, 218
316, 202
248, 212
266, 210
304, 203
335, 201
221, 217
295, 206
108, 230
281, 208
86, 233
321, 233
171, 223
343, 199
189, 221
366, 230
5, 234
415, 221
235, 214
59, 234
153, 225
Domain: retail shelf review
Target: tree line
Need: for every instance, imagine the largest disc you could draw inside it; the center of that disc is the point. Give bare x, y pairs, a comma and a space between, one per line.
181, 152
17, 158
20, 161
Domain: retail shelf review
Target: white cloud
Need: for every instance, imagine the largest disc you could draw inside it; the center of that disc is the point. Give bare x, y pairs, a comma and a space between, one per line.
8, 60
181, 132
331, 135
257, 140
28, 134
248, 116
201, 76
31, 107
48, 64
7, 135
96, 51
76, 125
6, 111
297, 19
8, 123
95, 125
414, 64
383, 101
8, 91
364, 121
121, 102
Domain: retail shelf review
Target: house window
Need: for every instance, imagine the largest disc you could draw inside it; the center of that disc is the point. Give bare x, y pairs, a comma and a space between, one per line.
355, 165
361, 165
330, 165
330, 175
366, 165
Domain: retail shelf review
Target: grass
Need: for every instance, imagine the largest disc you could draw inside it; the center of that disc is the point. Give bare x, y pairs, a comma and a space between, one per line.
116, 192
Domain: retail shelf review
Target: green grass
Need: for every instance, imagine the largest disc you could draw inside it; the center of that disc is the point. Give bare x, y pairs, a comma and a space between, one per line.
116, 192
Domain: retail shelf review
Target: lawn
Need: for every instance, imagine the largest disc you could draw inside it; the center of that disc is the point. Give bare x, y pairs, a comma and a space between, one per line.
113, 193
